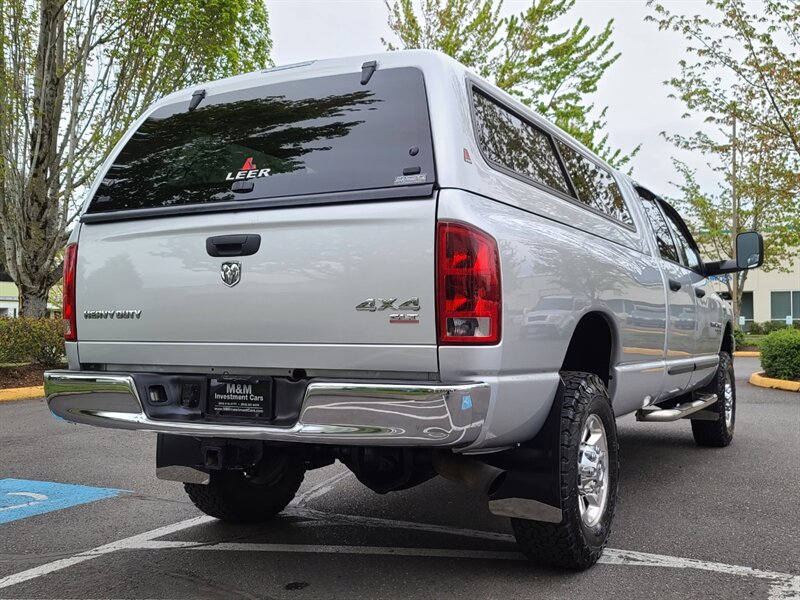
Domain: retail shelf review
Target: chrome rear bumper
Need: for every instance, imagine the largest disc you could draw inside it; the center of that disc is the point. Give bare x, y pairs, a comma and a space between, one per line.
333, 412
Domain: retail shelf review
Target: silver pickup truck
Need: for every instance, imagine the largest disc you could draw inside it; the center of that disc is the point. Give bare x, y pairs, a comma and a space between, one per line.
388, 262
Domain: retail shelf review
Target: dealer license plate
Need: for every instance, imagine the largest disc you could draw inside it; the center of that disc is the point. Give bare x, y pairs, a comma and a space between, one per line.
249, 399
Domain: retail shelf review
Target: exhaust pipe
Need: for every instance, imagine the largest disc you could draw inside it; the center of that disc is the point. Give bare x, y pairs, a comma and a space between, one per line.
472, 474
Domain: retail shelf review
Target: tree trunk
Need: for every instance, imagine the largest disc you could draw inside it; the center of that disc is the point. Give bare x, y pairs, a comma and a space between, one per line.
33, 301
741, 278
34, 235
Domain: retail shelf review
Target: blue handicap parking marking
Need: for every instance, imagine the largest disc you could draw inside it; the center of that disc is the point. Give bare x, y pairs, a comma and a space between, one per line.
21, 498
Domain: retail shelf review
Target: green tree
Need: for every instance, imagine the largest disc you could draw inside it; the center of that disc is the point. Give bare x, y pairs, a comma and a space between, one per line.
745, 69
553, 72
73, 76
740, 51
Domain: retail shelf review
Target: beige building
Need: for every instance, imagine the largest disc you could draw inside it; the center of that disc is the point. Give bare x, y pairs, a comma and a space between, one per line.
772, 296
9, 301
9, 298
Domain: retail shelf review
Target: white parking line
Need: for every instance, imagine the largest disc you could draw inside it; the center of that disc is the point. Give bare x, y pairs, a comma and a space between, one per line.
365, 521
123, 544
320, 489
134, 542
783, 586
330, 549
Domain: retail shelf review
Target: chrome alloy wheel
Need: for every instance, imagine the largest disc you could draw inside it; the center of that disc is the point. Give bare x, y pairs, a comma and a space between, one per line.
728, 400
593, 481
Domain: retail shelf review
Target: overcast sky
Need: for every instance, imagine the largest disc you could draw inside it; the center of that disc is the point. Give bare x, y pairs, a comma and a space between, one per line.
633, 90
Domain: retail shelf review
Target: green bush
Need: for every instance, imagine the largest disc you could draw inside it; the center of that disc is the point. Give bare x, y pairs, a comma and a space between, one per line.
770, 326
755, 328
753, 340
738, 337
780, 354
39, 341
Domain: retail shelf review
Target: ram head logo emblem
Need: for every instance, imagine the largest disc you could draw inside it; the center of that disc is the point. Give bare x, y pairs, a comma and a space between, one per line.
231, 273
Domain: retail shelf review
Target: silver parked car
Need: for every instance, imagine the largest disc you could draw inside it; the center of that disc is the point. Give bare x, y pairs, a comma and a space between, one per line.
344, 259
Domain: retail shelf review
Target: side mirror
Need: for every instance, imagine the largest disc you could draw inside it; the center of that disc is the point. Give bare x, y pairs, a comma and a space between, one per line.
749, 250
749, 255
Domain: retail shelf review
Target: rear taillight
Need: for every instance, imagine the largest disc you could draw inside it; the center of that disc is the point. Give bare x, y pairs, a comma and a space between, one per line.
467, 285
70, 265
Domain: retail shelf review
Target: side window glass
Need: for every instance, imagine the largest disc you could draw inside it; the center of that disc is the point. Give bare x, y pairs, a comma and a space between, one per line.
510, 142
688, 254
661, 230
679, 242
594, 185
694, 259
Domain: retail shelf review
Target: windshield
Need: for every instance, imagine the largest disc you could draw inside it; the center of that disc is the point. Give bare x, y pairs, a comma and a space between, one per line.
326, 134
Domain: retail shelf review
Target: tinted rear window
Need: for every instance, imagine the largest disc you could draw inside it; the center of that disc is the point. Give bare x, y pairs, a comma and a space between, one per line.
326, 134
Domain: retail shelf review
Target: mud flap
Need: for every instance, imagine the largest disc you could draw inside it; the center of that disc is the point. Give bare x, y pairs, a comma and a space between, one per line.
531, 488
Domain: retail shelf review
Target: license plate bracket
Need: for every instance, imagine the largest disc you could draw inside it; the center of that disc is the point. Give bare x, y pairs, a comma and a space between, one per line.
240, 398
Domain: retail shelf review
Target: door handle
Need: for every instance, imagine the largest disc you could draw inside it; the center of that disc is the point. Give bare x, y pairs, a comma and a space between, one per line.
233, 245
675, 285
699, 292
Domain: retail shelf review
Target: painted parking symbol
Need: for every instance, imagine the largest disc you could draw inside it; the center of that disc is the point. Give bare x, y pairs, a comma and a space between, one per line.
22, 498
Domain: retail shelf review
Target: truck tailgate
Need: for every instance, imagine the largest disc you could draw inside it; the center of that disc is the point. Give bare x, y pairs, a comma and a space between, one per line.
149, 293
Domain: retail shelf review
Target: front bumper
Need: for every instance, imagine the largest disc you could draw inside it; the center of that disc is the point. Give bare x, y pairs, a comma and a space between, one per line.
333, 412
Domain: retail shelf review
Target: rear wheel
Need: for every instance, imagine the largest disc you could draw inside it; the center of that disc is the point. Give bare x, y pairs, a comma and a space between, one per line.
589, 469
718, 433
249, 497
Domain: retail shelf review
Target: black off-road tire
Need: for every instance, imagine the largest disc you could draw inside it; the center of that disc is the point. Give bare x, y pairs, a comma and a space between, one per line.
571, 544
718, 433
237, 497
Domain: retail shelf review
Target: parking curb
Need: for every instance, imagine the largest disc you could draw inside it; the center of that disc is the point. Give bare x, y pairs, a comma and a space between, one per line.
25, 393
777, 384
748, 353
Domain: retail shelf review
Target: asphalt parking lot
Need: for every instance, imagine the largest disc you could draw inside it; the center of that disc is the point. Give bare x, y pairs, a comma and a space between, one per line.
690, 523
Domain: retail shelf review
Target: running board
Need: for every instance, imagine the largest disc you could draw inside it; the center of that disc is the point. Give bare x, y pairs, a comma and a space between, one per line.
654, 414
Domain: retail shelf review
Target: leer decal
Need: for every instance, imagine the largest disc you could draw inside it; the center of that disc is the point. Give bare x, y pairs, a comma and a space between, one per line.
249, 170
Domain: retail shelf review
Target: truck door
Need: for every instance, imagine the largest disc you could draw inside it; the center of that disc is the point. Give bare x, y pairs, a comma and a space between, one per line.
681, 317
708, 328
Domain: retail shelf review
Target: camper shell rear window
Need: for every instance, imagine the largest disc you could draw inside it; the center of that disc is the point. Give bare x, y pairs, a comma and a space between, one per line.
312, 136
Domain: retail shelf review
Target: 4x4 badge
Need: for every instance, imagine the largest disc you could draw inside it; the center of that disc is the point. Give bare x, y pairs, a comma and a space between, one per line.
371, 305
381, 304
231, 273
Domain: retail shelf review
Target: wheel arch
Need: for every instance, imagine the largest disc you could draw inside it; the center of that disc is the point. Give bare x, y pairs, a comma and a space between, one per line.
728, 344
592, 346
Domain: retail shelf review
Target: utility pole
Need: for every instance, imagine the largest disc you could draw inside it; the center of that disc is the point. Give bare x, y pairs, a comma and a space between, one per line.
734, 224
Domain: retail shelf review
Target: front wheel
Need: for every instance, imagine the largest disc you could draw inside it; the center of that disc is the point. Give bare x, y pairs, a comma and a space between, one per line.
589, 471
718, 433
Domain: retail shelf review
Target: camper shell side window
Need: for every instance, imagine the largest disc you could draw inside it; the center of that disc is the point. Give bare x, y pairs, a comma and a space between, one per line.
514, 145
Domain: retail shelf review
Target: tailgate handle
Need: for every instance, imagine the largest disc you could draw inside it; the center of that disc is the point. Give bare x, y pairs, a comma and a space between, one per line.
233, 245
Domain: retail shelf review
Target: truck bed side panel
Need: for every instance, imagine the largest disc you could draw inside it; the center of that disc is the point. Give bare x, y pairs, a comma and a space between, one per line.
545, 264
